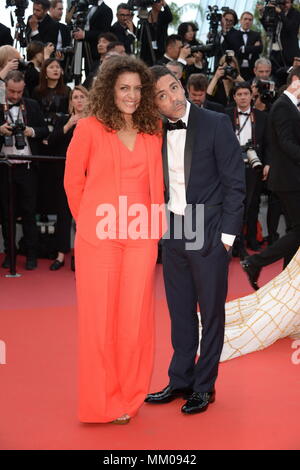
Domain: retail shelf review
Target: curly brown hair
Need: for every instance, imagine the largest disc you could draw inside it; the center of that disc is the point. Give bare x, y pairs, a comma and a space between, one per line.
101, 98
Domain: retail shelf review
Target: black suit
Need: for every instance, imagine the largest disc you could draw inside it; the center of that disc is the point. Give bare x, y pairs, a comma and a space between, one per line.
284, 178
214, 177
288, 39
47, 31
212, 106
159, 33
248, 52
24, 179
253, 179
5, 36
100, 22
124, 36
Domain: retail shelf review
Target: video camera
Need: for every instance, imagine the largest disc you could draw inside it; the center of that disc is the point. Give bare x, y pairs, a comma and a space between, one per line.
17, 129
270, 15
250, 156
81, 9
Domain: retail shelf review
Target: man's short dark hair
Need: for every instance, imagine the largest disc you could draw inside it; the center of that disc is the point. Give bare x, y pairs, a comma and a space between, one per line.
54, 3
295, 72
44, 3
123, 6
198, 81
159, 71
242, 86
233, 13
173, 38
15, 76
110, 37
114, 44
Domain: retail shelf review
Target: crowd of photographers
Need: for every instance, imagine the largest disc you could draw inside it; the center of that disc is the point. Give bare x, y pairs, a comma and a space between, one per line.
39, 111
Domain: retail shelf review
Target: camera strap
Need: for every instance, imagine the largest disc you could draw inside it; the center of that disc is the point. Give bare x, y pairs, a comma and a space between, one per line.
7, 113
240, 129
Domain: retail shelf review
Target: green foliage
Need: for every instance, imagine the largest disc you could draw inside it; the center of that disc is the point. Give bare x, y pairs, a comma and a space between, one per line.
179, 11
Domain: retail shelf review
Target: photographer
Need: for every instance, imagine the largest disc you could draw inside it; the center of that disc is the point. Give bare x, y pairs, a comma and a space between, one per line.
175, 50
284, 24
263, 87
284, 177
158, 22
21, 131
98, 20
250, 126
40, 26
124, 29
221, 85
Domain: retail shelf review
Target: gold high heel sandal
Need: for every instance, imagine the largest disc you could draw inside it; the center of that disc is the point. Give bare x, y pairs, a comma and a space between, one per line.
125, 419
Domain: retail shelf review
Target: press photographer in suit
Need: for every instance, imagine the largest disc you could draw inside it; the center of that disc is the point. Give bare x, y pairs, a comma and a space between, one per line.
284, 177
24, 116
285, 39
40, 25
99, 19
203, 169
124, 29
250, 126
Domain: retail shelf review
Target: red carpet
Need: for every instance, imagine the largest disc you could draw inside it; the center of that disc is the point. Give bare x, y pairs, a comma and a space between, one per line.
257, 404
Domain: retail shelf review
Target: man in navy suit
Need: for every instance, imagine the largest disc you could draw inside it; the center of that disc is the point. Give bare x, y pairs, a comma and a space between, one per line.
204, 175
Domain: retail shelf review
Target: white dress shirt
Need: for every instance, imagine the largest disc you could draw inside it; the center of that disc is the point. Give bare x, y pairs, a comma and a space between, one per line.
175, 146
246, 133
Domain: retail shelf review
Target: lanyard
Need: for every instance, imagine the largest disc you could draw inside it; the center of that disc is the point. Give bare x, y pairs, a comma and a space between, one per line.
240, 129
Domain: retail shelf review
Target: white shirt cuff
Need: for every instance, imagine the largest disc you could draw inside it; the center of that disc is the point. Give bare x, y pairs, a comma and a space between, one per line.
34, 33
228, 239
184, 62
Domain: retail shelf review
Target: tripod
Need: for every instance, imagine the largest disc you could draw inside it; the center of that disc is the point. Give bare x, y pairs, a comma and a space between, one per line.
20, 31
144, 31
74, 65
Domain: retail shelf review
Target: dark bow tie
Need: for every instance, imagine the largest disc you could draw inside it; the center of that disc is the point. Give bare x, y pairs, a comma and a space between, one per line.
12, 105
243, 114
173, 126
246, 32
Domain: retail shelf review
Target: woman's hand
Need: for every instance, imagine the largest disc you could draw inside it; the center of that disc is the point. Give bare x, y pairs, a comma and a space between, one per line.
48, 50
11, 65
71, 122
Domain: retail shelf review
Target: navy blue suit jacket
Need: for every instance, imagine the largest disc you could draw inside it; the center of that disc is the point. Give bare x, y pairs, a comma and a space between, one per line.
214, 173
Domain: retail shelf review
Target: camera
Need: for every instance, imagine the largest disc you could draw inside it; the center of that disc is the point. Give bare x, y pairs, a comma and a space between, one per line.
205, 48
266, 90
17, 129
17, 3
229, 70
250, 156
270, 15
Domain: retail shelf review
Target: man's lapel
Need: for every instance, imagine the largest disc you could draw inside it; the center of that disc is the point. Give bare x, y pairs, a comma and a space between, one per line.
165, 158
189, 143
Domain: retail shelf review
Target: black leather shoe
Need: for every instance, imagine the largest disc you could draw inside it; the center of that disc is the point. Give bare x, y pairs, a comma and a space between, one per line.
198, 402
56, 265
167, 395
6, 262
31, 263
252, 272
